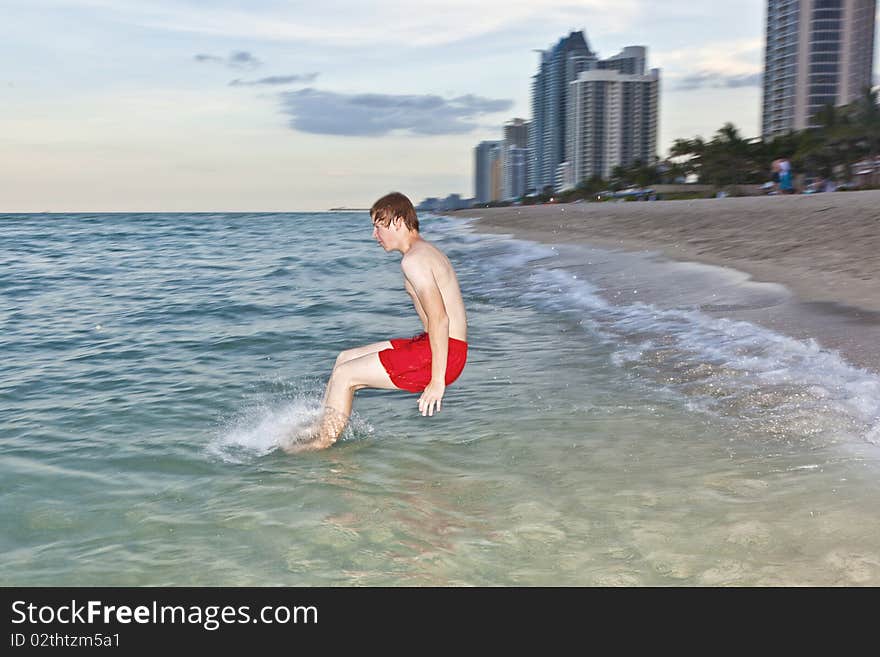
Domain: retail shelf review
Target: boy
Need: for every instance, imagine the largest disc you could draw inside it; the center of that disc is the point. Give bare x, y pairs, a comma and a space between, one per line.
424, 364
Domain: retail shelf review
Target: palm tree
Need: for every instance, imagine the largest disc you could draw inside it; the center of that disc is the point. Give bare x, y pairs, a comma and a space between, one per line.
846, 134
729, 159
866, 115
693, 150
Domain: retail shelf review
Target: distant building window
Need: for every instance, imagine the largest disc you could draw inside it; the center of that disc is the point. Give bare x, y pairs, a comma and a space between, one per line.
825, 47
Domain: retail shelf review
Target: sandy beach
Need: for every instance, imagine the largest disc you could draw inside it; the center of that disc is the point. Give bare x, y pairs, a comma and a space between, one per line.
824, 248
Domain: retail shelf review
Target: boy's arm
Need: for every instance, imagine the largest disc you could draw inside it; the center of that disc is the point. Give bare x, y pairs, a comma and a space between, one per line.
420, 276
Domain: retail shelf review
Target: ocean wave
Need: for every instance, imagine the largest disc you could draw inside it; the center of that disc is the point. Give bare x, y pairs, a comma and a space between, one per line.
764, 381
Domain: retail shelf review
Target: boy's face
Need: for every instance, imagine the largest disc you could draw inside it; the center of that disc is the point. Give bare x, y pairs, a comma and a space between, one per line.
387, 236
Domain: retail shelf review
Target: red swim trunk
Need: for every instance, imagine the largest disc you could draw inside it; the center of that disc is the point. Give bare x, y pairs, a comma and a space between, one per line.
408, 362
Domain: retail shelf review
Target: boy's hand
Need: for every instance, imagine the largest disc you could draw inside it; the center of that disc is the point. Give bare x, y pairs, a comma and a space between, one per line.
433, 394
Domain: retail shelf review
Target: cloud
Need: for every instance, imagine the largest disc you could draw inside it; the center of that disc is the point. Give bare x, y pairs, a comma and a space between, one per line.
737, 57
236, 59
353, 23
374, 115
243, 59
717, 80
275, 79
208, 58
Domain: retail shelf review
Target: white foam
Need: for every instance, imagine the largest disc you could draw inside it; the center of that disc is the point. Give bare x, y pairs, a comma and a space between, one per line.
630, 354
744, 358
718, 365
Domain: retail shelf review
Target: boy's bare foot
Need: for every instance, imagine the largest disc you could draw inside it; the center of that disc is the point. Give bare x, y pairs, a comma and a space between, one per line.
320, 434
302, 439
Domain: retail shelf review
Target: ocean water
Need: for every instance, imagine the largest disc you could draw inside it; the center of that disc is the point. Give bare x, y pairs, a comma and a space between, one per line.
152, 363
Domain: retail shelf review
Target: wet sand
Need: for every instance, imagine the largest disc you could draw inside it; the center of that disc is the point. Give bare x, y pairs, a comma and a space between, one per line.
823, 248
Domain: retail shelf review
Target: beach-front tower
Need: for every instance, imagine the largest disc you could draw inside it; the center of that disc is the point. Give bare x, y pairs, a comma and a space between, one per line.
514, 156
558, 66
515, 170
613, 116
817, 52
487, 171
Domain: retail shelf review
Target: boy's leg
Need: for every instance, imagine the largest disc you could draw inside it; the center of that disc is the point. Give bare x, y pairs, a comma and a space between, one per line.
365, 371
356, 352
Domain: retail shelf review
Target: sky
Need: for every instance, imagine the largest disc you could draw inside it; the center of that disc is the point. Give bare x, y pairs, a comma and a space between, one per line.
271, 105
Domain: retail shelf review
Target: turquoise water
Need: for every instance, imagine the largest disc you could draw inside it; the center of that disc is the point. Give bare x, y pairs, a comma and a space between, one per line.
153, 362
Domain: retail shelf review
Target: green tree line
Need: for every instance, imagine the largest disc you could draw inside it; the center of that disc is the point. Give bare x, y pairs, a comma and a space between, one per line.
842, 137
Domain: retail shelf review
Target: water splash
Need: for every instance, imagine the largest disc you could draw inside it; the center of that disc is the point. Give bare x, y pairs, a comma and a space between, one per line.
262, 428
274, 423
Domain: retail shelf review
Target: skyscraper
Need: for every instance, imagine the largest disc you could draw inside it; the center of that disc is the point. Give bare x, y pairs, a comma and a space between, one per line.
817, 52
515, 170
487, 156
613, 120
547, 135
629, 61
589, 114
516, 132
514, 156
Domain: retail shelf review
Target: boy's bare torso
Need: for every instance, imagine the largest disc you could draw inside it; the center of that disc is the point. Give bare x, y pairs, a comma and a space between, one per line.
426, 255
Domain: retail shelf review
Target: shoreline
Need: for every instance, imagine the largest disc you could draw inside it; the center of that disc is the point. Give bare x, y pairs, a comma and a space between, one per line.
824, 249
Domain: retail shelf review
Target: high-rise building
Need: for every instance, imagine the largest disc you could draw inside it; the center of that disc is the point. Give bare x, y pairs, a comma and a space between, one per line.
629, 61
564, 178
515, 173
487, 177
612, 119
558, 67
516, 133
590, 114
496, 178
514, 156
817, 52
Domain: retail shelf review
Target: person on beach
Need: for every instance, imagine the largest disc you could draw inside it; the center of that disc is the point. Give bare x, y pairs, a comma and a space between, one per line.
426, 363
785, 176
